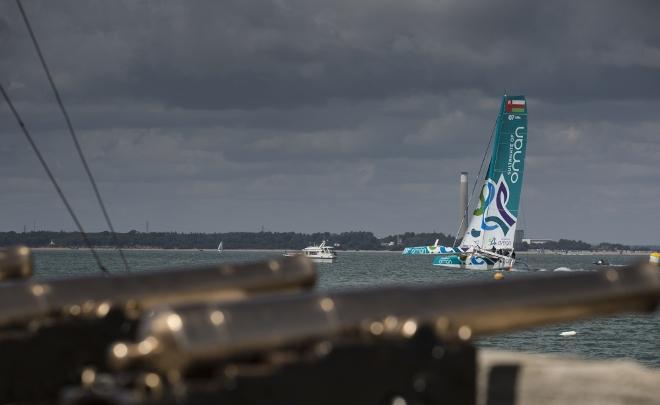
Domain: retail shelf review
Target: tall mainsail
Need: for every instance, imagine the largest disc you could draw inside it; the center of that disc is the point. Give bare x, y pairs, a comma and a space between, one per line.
493, 221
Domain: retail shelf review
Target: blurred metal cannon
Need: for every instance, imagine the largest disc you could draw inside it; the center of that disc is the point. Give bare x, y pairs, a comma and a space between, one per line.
50, 330
256, 333
15, 263
409, 344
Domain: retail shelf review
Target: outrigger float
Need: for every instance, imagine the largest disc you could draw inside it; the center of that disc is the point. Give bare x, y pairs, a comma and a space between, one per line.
487, 242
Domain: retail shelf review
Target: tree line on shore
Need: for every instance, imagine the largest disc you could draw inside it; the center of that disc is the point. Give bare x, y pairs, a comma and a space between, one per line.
354, 240
568, 244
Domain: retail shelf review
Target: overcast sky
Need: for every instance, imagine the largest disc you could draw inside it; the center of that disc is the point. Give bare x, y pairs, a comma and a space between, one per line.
332, 115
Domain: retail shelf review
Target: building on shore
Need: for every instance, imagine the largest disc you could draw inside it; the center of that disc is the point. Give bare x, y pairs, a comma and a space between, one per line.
536, 241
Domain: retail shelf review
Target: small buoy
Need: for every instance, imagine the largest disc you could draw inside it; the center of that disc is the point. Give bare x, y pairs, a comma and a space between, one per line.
568, 333
498, 275
655, 258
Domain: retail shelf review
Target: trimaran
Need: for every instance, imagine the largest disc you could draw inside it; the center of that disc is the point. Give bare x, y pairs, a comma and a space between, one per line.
488, 238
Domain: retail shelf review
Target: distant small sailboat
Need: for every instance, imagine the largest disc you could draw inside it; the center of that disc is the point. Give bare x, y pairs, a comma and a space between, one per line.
220, 248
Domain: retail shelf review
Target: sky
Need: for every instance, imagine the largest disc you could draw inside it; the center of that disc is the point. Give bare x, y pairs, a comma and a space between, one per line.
341, 115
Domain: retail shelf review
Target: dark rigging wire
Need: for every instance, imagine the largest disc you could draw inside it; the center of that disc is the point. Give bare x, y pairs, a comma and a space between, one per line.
476, 179
52, 179
73, 134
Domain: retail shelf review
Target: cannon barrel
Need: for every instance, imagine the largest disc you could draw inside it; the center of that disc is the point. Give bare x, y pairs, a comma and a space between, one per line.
177, 338
15, 263
94, 295
51, 330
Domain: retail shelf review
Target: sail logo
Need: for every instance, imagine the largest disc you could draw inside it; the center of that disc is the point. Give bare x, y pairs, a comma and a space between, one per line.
445, 249
422, 250
515, 151
501, 217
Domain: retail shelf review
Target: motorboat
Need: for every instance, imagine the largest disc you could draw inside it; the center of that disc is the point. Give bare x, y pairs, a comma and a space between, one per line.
318, 254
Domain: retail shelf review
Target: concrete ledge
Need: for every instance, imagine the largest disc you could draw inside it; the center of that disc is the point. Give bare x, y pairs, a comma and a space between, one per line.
538, 379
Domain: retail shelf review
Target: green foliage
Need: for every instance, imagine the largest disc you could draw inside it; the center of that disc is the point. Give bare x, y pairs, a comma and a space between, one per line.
426, 238
175, 240
611, 246
355, 240
568, 244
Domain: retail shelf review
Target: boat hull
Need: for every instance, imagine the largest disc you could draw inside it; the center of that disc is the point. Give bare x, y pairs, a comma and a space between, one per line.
322, 259
313, 258
473, 262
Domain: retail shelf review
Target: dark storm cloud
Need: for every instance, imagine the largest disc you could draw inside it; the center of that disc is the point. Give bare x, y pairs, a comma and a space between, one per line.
363, 111
264, 54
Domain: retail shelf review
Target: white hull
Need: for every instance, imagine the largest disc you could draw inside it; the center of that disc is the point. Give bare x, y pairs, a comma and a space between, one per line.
497, 266
323, 260
315, 259
475, 262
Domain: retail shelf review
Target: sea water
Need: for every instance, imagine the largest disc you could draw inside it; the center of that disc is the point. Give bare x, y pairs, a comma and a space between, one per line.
630, 336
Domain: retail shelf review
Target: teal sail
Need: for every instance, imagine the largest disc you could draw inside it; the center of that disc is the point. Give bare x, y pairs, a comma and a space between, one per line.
495, 217
494, 220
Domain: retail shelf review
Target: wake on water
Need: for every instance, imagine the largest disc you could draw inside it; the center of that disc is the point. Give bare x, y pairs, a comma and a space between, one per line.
561, 269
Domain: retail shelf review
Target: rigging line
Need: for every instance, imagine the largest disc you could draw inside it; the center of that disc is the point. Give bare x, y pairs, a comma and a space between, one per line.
73, 135
523, 217
52, 179
493, 158
476, 180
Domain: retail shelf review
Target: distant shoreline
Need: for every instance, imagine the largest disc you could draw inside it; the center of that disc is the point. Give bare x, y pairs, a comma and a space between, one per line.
585, 253
264, 241
523, 253
154, 249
